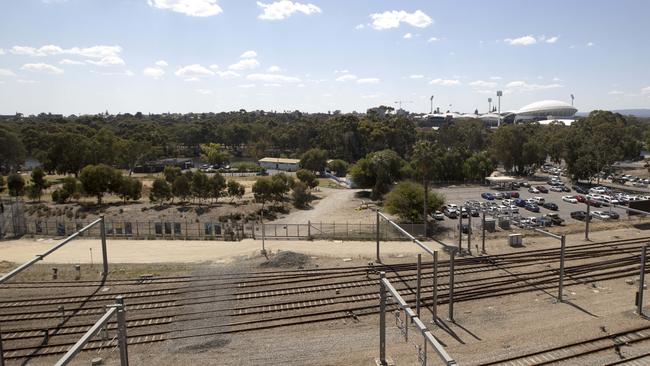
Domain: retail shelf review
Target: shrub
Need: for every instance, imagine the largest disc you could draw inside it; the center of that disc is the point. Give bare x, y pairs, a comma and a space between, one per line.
406, 201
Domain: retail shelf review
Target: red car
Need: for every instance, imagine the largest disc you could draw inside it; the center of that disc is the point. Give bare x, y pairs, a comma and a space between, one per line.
581, 198
593, 203
542, 189
514, 194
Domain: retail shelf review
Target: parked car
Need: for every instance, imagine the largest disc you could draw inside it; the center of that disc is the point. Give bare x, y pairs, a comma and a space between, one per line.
599, 190
579, 215
474, 212
556, 189
525, 184
593, 203
464, 213
613, 215
542, 189
541, 221
566, 189
570, 199
602, 215
532, 207
438, 216
581, 199
555, 218
580, 190
487, 195
533, 190
514, 194
550, 206
520, 202
538, 200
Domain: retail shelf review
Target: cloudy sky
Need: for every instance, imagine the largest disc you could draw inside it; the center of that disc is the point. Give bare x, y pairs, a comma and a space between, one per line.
88, 56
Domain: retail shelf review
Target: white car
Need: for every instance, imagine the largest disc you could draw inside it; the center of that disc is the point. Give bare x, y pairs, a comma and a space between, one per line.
570, 199
539, 200
601, 215
438, 216
598, 190
533, 190
556, 189
609, 199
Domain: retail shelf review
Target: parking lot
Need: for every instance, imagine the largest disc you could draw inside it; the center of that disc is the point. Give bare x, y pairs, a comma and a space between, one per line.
460, 195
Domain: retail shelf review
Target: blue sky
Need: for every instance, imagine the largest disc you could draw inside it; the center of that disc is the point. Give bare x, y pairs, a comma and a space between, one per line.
88, 56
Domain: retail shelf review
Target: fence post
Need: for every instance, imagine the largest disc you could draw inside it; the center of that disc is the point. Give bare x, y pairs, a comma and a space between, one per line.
460, 231
587, 219
452, 254
483, 234
469, 231
2, 357
122, 337
309, 229
102, 229
561, 284
639, 305
382, 319
435, 287
377, 237
418, 281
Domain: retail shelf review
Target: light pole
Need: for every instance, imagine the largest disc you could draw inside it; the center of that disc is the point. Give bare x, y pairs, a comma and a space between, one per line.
572, 98
431, 105
489, 105
499, 94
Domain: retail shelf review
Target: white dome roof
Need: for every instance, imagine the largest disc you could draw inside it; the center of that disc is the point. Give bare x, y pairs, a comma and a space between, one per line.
546, 105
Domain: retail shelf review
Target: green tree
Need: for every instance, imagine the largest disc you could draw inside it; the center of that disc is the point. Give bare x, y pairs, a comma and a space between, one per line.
216, 184
38, 183
378, 170
235, 190
281, 184
214, 154
406, 199
68, 153
130, 153
160, 191
98, 180
130, 189
307, 177
426, 166
12, 150
171, 173
16, 184
181, 188
339, 167
314, 160
477, 167
263, 191
300, 195
200, 186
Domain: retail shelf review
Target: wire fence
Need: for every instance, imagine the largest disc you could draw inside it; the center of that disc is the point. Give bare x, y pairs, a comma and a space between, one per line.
216, 230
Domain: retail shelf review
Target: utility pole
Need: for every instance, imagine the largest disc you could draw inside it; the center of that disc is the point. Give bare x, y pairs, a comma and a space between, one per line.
489, 105
499, 94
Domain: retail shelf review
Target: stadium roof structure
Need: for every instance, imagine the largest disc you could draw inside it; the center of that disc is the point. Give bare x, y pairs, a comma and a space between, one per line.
545, 108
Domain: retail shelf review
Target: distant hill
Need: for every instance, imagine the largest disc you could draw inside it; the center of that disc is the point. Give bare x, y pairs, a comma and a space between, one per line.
637, 112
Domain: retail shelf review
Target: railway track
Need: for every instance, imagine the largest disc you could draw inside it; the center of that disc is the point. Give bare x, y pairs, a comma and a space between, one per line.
576, 352
307, 310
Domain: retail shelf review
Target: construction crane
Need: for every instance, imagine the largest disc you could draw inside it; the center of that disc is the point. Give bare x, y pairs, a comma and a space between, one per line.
400, 102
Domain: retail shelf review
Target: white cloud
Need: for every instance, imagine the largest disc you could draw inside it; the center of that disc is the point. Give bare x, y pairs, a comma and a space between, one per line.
273, 78
24, 81
154, 72
107, 61
360, 26
227, 74
444, 82
524, 86
557, 79
195, 8
346, 77
6, 72
521, 41
368, 81
246, 86
2, 52
193, 72
371, 96
283, 9
42, 67
617, 92
120, 73
417, 76
433, 39
590, 44
273, 85
245, 64
274, 69
552, 39
495, 78
483, 84
392, 19
645, 90
249, 54
161, 63
341, 71
408, 36
67, 61
204, 91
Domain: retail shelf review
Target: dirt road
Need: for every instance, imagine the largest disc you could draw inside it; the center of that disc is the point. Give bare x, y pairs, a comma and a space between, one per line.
337, 205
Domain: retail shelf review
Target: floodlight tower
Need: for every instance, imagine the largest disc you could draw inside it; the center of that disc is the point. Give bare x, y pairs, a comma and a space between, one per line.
431, 105
489, 105
499, 94
572, 98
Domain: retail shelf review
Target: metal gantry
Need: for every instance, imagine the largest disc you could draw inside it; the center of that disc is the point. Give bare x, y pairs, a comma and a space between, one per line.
386, 287
562, 239
117, 309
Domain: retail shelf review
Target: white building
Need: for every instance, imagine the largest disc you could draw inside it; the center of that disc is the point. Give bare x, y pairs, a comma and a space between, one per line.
545, 110
287, 165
